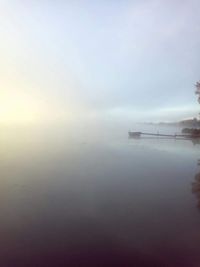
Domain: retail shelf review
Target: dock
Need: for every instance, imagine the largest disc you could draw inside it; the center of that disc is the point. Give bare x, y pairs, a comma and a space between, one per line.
139, 134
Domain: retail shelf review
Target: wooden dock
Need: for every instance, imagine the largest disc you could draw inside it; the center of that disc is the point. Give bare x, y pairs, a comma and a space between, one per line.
139, 134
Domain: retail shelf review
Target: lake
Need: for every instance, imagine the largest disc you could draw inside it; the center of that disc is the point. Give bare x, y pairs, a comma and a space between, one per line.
85, 196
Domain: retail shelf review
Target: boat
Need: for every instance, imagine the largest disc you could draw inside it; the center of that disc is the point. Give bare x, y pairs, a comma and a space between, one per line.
191, 131
134, 134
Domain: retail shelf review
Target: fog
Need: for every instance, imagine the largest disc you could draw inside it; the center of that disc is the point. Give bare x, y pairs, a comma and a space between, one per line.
132, 60
75, 188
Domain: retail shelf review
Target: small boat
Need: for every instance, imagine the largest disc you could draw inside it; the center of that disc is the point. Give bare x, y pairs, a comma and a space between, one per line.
191, 131
134, 134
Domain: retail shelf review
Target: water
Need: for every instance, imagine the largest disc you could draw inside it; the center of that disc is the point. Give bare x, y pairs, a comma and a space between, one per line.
80, 196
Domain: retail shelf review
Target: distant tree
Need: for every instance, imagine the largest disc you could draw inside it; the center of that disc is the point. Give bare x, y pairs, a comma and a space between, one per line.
197, 85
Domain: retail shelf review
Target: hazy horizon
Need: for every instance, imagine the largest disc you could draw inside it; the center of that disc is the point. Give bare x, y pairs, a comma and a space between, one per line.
124, 60
77, 188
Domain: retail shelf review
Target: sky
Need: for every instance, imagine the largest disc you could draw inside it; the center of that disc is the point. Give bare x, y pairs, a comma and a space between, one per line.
135, 60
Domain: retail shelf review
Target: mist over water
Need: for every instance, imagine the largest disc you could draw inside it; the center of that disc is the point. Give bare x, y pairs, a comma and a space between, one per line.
86, 195
74, 189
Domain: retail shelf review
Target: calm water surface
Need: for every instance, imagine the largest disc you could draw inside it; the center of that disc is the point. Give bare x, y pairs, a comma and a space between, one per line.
83, 197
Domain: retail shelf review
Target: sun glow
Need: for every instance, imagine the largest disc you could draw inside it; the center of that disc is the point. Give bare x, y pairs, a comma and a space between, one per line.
18, 107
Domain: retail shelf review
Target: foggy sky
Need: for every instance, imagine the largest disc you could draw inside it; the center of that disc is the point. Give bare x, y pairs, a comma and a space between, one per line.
127, 59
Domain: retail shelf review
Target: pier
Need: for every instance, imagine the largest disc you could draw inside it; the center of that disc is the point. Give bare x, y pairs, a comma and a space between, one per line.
139, 134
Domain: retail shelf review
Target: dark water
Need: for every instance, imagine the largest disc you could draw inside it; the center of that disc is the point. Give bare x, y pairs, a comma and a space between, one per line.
93, 198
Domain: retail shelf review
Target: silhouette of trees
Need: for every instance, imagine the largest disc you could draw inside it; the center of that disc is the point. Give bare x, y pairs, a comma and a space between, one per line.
197, 92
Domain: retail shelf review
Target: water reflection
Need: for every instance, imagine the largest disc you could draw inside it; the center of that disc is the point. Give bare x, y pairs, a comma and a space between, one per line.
196, 186
104, 203
195, 141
